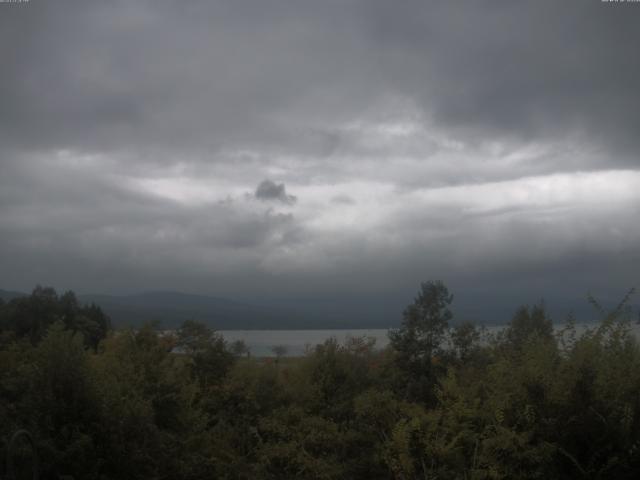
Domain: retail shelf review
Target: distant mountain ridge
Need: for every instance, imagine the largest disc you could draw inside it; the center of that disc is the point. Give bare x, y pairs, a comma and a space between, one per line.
170, 309
7, 295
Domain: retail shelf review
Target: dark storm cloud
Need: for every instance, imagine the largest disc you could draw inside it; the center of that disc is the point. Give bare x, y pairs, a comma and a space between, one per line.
268, 190
523, 68
203, 76
157, 74
421, 139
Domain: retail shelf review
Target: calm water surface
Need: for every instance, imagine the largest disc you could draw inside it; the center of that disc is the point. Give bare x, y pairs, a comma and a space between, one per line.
261, 342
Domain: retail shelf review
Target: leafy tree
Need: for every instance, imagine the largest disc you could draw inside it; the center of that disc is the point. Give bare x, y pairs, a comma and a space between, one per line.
420, 339
149, 425
145, 405
298, 445
66, 403
279, 351
529, 322
31, 316
464, 339
239, 348
210, 360
334, 375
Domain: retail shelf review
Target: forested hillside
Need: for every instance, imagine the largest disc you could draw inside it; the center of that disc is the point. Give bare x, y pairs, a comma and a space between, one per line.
438, 403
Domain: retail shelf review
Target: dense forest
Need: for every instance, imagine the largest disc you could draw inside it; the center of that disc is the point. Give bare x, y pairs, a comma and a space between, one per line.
443, 401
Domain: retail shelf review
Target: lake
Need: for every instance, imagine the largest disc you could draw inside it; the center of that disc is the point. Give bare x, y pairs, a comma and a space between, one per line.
260, 342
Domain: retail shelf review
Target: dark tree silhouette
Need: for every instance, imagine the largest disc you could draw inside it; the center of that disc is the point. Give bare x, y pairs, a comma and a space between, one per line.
419, 340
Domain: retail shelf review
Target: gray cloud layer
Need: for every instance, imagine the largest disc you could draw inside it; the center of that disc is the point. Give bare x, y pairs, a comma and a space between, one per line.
487, 143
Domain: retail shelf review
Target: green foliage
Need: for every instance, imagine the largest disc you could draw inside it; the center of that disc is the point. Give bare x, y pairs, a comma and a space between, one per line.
419, 340
209, 358
528, 323
294, 444
30, 317
436, 404
465, 340
239, 348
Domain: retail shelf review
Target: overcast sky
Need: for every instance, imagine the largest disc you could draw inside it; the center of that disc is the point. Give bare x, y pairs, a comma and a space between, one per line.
328, 152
